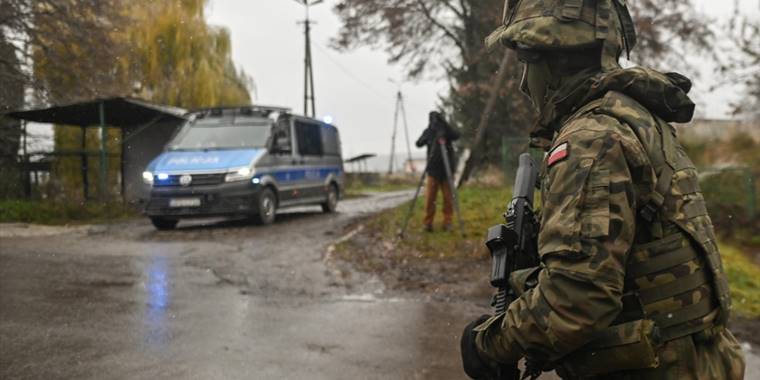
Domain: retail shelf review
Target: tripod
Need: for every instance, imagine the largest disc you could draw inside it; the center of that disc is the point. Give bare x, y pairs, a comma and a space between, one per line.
441, 144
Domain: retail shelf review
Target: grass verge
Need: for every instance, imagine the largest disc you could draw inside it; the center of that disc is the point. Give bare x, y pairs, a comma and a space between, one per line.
744, 280
49, 212
481, 207
418, 260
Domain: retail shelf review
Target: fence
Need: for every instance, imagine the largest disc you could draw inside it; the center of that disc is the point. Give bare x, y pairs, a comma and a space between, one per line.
65, 173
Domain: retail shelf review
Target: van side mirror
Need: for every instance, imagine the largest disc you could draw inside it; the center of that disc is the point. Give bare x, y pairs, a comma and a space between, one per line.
281, 144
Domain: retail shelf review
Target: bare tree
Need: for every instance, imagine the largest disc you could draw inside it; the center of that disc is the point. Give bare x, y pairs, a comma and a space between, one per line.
743, 67
669, 30
444, 38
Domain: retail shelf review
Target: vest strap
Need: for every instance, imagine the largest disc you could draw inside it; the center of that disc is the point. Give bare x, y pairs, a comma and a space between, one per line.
685, 314
572, 9
657, 197
660, 263
673, 288
685, 329
603, 13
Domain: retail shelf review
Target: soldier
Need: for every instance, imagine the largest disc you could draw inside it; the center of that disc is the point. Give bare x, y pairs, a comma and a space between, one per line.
437, 178
631, 284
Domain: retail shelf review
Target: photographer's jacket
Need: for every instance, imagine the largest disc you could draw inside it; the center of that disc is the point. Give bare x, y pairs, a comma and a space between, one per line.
436, 130
625, 241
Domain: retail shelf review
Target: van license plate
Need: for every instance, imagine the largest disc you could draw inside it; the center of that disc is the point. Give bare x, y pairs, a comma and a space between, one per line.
185, 202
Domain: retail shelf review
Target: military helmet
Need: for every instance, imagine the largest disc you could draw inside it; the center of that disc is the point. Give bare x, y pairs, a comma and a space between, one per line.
550, 25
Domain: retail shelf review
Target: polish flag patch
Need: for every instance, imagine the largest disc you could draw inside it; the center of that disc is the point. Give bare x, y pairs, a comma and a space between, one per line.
559, 153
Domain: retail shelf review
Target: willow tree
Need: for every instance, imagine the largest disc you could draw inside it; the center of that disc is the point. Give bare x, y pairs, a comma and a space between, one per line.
160, 50
179, 59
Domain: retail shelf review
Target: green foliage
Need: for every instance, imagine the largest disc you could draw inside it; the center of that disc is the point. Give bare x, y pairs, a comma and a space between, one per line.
730, 190
727, 189
57, 212
744, 279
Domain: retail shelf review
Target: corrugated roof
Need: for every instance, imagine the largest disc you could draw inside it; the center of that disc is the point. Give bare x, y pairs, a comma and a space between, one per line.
118, 112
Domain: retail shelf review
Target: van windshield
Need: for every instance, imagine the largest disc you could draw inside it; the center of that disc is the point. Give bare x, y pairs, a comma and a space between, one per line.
222, 134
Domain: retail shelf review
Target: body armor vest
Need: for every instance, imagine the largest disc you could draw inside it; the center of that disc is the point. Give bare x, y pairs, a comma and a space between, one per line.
674, 274
675, 285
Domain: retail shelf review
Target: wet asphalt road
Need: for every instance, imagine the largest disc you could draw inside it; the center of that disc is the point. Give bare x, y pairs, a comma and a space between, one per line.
214, 300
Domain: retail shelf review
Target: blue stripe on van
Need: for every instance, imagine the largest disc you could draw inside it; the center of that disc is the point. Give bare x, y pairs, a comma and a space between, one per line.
292, 175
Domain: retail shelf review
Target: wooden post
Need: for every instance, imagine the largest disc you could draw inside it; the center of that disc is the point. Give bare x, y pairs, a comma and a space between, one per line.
103, 185
25, 163
85, 164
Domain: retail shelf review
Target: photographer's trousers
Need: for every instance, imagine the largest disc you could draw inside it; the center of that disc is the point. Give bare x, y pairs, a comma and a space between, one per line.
431, 193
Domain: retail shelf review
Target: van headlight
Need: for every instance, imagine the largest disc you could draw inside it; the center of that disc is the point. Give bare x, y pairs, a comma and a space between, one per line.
148, 178
241, 174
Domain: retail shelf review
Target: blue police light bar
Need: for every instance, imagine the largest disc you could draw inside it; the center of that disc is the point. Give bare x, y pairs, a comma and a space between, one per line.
240, 110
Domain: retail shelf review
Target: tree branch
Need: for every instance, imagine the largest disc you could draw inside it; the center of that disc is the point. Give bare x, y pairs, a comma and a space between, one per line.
446, 31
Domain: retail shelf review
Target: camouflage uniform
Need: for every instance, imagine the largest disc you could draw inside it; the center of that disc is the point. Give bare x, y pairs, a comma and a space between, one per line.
631, 284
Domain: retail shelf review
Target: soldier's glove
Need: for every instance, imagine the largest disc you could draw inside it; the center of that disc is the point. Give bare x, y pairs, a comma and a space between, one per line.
474, 365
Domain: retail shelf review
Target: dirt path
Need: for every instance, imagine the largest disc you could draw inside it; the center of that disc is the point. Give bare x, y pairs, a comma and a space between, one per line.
212, 300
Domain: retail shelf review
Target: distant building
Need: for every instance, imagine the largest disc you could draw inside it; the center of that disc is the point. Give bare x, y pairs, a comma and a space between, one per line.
415, 165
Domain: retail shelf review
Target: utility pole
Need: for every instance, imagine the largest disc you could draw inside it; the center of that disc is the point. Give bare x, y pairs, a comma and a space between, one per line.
308, 77
400, 110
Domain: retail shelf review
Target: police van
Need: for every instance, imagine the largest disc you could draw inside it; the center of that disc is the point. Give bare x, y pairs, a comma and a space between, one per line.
245, 161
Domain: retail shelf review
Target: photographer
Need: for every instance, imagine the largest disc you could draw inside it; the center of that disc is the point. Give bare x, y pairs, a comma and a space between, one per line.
438, 134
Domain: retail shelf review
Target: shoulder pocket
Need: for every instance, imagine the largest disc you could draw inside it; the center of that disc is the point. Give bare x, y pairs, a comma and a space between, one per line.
595, 208
561, 213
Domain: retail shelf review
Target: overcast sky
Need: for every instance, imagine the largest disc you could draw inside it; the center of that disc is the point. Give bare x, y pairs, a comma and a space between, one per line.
354, 88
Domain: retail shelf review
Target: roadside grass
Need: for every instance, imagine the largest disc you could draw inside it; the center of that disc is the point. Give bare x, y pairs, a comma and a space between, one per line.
56, 212
744, 280
481, 208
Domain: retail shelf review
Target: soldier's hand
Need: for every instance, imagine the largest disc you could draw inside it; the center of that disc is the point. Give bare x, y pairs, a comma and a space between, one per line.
474, 365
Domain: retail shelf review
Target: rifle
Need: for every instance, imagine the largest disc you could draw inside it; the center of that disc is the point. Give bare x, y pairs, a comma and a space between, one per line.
513, 245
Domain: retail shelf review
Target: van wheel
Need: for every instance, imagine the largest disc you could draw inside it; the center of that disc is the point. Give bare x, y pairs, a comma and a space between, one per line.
331, 204
266, 207
163, 224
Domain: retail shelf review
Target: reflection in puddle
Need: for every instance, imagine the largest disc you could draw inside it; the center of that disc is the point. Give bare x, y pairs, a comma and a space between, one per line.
157, 301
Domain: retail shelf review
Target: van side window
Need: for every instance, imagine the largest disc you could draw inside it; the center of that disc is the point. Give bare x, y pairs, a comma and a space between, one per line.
281, 137
309, 139
330, 141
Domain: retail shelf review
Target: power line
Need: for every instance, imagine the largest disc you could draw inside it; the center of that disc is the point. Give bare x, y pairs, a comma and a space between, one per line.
350, 74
